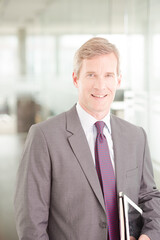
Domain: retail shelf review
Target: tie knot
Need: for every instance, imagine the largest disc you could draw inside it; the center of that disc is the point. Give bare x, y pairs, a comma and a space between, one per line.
100, 125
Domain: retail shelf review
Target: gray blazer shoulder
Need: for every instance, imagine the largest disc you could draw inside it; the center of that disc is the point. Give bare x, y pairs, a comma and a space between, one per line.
60, 122
131, 131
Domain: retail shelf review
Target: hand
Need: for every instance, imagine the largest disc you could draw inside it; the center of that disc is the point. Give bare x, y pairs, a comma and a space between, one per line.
132, 238
143, 237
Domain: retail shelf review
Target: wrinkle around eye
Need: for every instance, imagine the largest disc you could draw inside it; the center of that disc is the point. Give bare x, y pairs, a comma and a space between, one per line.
91, 75
110, 76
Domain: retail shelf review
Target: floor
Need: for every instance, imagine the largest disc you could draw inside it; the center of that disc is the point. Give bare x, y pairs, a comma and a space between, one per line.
10, 154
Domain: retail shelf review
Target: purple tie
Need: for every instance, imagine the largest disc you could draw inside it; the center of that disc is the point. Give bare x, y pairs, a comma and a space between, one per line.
107, 181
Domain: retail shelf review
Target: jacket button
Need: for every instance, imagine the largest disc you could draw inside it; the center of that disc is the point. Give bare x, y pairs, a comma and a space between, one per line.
103, 224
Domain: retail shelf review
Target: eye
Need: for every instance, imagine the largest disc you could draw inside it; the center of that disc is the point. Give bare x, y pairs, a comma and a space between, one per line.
91, 75
110, 75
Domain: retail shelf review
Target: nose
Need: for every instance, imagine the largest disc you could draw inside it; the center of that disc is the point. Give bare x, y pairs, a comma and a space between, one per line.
99, 83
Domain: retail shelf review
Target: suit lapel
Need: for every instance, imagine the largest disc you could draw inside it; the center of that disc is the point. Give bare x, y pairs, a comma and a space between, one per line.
121, 153
80, 147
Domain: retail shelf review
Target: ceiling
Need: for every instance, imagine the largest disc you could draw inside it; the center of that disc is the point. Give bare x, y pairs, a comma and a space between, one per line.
19, 13
73, 16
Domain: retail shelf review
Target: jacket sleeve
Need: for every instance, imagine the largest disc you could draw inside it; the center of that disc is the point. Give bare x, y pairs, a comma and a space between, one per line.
149, 197
32, 195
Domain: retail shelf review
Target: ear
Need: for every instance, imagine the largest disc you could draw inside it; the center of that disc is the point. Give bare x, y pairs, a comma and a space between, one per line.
75, 79
119, 79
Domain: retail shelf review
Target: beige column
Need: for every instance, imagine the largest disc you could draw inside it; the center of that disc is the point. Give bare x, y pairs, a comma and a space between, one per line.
22, 51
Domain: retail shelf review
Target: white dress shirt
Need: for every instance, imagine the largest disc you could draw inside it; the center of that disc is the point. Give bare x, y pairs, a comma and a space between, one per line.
87, 122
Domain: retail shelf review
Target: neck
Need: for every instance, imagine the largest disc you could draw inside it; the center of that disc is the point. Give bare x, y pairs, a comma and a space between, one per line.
97, 115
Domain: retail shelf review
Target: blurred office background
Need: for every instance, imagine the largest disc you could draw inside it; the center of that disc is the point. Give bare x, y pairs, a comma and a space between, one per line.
37, 43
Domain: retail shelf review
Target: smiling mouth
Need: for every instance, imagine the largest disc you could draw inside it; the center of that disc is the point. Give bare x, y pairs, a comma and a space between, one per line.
98, 96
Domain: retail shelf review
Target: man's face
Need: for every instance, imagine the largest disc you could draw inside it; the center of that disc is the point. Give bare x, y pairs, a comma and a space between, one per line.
97, 84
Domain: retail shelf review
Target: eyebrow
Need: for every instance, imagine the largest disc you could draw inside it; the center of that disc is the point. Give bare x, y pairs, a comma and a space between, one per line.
110, 73
105, 72
90, 72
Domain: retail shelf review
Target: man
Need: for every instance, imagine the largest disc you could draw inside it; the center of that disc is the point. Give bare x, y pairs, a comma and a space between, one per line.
61, 192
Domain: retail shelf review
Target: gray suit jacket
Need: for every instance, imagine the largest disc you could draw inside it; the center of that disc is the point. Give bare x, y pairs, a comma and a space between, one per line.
58, 195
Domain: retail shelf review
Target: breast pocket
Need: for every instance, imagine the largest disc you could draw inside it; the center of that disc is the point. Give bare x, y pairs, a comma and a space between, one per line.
132, 172
132, 183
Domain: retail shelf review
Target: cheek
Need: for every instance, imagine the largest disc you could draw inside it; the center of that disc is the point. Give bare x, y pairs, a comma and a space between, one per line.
85, 86
82, 89
113, 87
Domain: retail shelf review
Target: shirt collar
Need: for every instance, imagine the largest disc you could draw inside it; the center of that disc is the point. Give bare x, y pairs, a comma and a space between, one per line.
88, 121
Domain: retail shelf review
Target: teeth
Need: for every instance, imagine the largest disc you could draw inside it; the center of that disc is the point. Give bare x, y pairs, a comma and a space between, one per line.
99, 96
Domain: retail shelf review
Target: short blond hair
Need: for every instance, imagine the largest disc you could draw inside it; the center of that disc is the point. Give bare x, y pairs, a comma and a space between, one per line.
94, 47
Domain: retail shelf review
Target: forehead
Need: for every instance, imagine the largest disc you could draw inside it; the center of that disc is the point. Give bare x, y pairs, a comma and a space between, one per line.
107, 61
